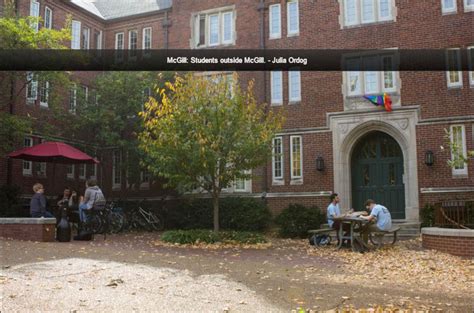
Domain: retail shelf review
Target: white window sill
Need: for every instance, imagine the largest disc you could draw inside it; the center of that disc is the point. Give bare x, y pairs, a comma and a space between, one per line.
274, 104
27, 174
460, 175
82, 178
296, 181
294, 102
449, 12
293, 34
275, 37
364, 24
278, 183
455, 86
469, 9
44, 105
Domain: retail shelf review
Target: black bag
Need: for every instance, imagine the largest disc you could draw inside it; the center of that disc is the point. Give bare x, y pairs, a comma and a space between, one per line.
83, 235
320, 240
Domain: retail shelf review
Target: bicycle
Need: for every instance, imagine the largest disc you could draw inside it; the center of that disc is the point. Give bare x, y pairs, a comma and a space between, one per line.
102, 220
143, 219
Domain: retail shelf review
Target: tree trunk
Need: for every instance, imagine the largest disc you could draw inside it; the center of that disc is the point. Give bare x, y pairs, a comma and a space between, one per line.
215, 202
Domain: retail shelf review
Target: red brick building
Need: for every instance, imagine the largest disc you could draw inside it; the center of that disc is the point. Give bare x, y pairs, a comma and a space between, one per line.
333, 139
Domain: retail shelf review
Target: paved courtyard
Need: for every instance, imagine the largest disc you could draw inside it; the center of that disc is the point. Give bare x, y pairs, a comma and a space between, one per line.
136, 272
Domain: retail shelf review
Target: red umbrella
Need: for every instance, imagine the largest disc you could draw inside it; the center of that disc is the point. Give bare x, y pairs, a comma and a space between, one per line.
57, 152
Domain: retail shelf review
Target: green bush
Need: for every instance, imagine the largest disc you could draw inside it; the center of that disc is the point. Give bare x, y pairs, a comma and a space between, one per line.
238, 213
10, 201
207, 236
296, 220
427, 215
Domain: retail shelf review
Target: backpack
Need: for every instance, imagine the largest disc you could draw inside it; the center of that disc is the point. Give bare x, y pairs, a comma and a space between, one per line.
320, 240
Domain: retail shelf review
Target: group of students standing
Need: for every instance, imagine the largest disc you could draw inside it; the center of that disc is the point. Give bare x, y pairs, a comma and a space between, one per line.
93, 196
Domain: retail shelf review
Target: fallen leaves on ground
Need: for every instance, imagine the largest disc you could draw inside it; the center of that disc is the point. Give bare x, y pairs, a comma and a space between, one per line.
213, 246
405, 263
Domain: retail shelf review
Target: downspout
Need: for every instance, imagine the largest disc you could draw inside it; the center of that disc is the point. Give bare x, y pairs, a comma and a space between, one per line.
262, 46
166, 24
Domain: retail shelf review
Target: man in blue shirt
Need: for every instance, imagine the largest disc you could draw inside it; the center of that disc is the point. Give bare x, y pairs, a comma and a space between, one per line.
333, 211
380, 215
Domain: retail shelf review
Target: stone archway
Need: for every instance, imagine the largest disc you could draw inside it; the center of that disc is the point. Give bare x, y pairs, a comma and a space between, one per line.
348, 128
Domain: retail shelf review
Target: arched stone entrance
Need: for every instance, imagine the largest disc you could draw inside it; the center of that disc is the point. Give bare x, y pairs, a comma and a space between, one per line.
377, 173
348, 129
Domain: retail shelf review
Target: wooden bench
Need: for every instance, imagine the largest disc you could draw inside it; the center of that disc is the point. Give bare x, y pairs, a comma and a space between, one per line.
376, 238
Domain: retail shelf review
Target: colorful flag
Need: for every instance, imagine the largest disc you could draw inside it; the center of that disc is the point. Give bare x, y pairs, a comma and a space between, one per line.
383, 100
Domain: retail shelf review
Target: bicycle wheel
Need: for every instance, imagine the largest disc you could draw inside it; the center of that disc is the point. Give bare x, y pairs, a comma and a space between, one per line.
93, 224
115, 221
142, 223
156, 222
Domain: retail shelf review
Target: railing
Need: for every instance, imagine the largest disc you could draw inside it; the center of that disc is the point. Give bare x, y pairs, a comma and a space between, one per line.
454, 214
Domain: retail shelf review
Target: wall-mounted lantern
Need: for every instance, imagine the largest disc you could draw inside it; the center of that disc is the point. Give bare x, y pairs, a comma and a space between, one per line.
429, 158
320, 163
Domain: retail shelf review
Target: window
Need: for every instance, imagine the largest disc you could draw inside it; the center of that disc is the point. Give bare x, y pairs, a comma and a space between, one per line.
360, 82
27, 165
132, 43
85, 93
147, 38
119, 45
116, 170
277, 87
98, 40
277, 159
243, 185
470, 51
76, 35
41, 169
294, 86
454, 74
35, 12
448, 6
86, 32
458, 139
44, 93
293, 18
214, 29
94, 171
468, 5
73, 99
82, 171
70, 171
275, 21
296, 155
358, 12
31, 88
48, 18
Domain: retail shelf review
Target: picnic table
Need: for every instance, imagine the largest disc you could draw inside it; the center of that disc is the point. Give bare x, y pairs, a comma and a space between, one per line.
357, 225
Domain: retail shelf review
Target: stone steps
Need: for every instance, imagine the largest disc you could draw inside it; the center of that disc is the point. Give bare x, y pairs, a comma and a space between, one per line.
408, 229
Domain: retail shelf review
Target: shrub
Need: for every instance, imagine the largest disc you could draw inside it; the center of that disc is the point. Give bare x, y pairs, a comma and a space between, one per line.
207, 236
296, 220
10, 201
427, 215
238, 213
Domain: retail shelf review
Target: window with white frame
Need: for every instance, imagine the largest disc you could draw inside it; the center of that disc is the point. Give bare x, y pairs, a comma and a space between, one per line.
41, 169
454, 74
146, 41
468, 5
48, 18
31, 87
70, 171
294, 86
76, 35
35, 12
119, 45
214, 28
27, 165
276, 81
86, 33
458, 140
357, 12
243, 185
116, 170
85, 93
362, 82
296, 157
82, 171
470, 51
133, 43
98, 39
448, 6
44, 93
275, 21
293, 17
277, 159
94, 171
73, 99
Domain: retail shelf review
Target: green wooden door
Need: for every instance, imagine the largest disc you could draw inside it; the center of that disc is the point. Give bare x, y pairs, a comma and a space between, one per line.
377, 173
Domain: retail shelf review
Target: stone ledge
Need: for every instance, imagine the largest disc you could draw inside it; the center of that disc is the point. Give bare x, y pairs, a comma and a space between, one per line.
27, 220
447, 232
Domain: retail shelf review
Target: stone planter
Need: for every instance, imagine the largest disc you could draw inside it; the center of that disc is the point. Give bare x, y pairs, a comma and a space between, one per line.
453, 241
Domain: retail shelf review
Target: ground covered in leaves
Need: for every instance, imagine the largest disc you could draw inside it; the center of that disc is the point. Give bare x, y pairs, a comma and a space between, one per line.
289, 274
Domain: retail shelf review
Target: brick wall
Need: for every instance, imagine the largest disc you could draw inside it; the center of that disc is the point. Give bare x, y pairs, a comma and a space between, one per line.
33, 232
462, 246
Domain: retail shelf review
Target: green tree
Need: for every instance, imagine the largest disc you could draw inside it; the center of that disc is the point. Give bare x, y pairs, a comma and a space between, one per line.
206, 133
109, 116
21, 33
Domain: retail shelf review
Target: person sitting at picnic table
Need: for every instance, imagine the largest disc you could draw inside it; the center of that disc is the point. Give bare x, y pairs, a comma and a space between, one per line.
92, 197
378, 214
38, 202
333, 211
